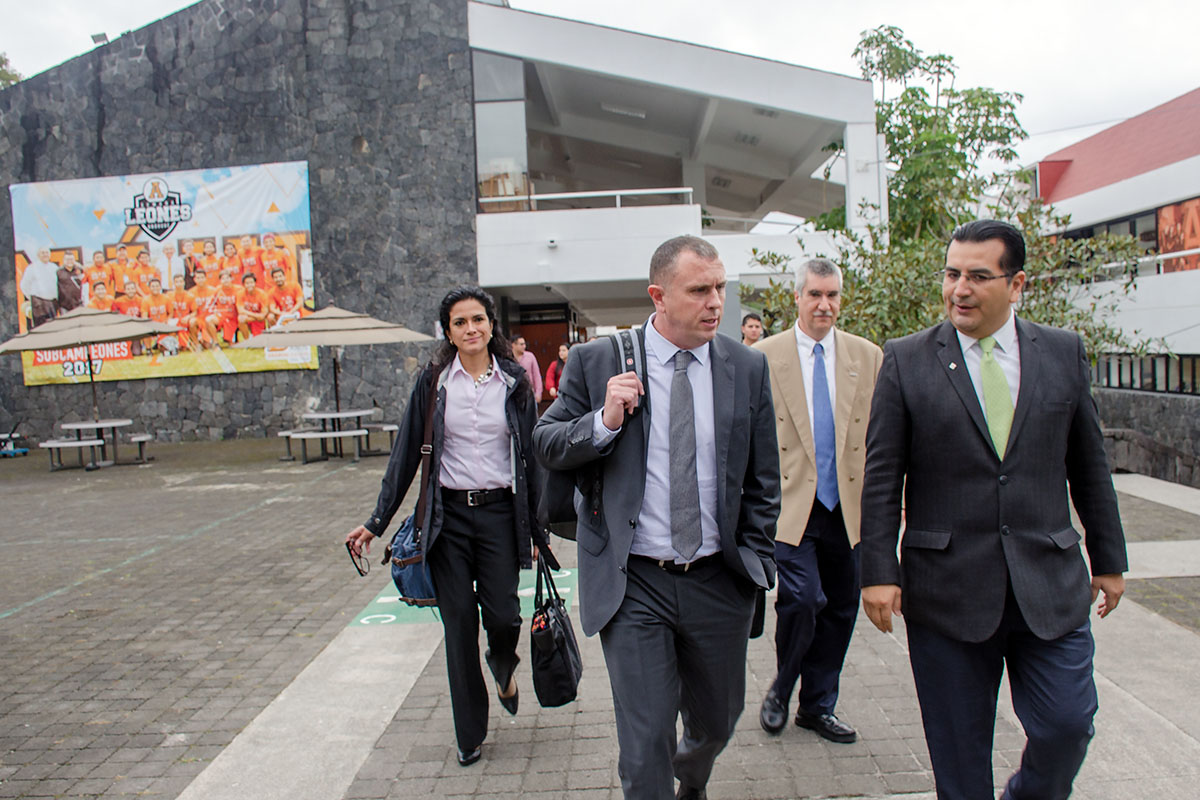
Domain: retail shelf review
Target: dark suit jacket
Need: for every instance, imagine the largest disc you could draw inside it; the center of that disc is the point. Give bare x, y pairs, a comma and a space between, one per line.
974, 522
745, 439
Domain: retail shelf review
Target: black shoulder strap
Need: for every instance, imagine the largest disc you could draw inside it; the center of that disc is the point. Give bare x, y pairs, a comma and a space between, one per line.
631, 354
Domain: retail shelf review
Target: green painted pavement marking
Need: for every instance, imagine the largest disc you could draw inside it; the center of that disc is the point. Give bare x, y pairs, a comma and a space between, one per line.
387, 609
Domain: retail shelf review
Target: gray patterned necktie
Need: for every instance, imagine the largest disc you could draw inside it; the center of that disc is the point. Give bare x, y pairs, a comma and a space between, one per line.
685, 491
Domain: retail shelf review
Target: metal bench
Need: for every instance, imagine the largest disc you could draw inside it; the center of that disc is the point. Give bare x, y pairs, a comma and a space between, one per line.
323, 436
287, 439
140, 440
390, 428
56, 446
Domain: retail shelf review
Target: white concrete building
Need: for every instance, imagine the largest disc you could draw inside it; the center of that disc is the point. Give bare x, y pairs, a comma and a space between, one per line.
594, 145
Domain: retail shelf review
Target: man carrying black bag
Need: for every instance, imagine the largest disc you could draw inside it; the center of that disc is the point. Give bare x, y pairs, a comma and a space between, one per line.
685, 522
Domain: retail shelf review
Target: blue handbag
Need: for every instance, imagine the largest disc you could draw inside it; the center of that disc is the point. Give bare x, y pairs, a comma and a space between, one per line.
410, 573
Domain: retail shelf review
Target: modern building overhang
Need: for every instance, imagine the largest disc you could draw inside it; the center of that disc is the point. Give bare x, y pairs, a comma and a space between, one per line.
747, 132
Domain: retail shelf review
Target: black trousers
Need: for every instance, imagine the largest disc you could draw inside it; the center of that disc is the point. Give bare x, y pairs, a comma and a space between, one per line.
473, 563
676, 646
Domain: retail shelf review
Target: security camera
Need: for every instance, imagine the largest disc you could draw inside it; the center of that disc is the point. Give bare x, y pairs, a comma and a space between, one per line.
552, 243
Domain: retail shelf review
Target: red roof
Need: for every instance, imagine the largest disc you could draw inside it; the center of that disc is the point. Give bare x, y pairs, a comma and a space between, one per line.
1163, 135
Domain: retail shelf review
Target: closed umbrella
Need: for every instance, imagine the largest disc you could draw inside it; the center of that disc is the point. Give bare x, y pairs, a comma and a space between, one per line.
85, 326
334, 327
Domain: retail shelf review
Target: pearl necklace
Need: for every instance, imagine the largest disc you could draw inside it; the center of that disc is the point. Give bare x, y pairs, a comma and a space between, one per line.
485, 377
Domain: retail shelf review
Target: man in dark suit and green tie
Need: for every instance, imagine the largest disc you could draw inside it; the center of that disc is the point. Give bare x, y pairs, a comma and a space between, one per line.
978, 427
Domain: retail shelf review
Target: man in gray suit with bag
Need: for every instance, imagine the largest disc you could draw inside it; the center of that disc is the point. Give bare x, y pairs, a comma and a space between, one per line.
672, 551
982, 423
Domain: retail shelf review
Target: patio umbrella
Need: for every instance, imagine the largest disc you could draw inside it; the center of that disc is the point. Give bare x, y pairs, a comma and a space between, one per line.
334, 327
85, 326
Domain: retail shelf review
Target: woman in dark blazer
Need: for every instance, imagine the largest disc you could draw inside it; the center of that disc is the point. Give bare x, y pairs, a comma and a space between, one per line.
480, 526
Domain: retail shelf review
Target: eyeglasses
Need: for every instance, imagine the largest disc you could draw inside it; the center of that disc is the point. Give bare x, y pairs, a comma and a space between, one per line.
360, 562
974, 278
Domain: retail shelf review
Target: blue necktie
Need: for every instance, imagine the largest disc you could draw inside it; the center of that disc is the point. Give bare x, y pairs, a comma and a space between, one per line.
824, 438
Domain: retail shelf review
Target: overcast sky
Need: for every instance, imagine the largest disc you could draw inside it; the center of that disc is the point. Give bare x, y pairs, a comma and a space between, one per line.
1080, 65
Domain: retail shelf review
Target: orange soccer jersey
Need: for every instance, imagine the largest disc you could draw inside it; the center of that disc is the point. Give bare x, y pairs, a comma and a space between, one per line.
102, 303
278, 257
251, 259
141, 276
101, 274
254, 300
181, 303
156, 307
211, 267
289, 297
234, 265
203, 297
224, 301
120, 272
129, 306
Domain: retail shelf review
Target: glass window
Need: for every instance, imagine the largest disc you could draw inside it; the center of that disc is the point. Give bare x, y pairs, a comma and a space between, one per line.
503, 164
497, 77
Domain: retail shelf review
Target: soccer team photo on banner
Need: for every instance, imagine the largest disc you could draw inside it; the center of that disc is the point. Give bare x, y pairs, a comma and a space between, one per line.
221, 254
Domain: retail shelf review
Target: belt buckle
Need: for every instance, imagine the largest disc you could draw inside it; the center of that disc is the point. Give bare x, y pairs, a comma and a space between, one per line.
473, 498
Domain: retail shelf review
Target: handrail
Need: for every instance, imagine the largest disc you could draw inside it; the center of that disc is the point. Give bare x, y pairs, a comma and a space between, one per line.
616, 194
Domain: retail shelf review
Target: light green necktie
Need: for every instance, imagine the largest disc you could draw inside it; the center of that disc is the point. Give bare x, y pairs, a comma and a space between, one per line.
997, 397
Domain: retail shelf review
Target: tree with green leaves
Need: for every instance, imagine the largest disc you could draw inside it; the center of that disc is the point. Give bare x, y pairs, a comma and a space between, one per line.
942, 144
8, 75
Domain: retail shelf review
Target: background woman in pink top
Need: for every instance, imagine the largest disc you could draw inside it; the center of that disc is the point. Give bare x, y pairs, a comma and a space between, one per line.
481, 522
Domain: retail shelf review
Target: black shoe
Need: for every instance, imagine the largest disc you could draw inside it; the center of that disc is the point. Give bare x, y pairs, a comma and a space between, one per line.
511, 702
469, 758
773, 714
827, 726
686, 792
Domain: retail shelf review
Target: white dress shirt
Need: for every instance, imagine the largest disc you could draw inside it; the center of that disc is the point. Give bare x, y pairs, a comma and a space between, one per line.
40, 280
1006, 352
652, 536
476, 446
804, 346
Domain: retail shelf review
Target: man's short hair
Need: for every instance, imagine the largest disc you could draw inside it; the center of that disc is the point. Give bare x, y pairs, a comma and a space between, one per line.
751, 316
662, 263
277, 269
983, 230
821, 267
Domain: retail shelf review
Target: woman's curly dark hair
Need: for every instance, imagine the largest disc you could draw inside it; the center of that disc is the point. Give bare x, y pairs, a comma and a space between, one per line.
498, 345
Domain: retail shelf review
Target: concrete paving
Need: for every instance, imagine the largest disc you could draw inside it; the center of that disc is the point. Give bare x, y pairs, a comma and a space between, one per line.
193, 628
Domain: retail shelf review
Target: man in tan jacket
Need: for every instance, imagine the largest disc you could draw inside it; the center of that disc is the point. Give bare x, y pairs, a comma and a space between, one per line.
822, 380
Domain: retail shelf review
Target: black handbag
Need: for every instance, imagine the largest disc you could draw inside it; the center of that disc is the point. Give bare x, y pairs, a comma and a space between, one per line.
557, 666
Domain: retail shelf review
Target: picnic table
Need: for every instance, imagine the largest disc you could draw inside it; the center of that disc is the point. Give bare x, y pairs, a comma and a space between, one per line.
97, 430
332, 423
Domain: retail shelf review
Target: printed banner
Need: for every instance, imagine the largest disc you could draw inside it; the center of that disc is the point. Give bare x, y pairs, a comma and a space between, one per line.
223, 254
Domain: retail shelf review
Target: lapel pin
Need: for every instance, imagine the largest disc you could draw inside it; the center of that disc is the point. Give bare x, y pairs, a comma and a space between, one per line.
953, 365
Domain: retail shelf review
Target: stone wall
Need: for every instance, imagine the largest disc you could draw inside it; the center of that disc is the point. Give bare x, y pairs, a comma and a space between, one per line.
376, 96
1151, 433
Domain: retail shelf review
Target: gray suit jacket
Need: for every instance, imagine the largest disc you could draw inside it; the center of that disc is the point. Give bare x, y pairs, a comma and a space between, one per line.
975, 522
747, 506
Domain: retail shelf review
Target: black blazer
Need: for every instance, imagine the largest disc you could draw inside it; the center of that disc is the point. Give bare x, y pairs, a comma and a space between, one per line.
521, 413
746, 455
975, 523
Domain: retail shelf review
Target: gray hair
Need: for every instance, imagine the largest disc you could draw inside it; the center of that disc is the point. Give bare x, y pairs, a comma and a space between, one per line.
662, 263
821, 267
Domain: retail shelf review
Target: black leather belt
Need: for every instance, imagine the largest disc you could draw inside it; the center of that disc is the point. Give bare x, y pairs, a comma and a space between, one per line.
476, 497
671, 566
